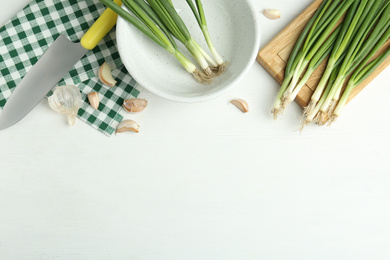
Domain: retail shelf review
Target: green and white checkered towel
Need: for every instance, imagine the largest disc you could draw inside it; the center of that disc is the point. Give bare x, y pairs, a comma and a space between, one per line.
27, 36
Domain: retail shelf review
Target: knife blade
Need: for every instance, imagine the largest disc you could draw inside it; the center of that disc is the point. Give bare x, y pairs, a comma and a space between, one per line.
59, 58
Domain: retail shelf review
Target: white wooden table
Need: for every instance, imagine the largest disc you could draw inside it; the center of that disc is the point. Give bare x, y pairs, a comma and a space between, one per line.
201, 181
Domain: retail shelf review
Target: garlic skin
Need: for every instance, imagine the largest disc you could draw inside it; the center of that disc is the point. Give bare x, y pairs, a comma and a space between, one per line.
135, 105
66, 100
94, 99
272, 14
105, 75
127, 126
241, 104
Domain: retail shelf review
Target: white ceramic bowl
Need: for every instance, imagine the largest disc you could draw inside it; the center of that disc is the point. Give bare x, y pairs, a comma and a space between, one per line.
234, 29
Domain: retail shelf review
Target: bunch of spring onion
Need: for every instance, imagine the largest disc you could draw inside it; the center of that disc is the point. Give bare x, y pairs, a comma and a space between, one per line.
310, 41
159, 21
348, 45
370, 37
351, 27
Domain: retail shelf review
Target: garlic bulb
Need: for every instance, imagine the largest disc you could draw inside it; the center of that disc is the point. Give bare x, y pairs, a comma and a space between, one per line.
66, 100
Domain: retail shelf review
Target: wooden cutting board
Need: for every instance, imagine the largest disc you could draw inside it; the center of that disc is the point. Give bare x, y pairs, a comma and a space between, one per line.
274, 56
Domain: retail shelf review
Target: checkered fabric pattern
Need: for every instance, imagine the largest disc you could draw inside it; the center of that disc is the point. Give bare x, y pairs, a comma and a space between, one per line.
29, 34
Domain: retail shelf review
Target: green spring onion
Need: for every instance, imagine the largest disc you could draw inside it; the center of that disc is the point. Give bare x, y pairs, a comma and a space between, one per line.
148, 28
315, 43
204, 53
168, 15
143, 7
360, 48
317, 59
288, 73
363, 31
349, 29
201, 19
315, 23
361, 73
359, 25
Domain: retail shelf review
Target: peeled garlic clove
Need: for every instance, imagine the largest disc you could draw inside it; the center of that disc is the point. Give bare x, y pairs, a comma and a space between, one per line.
127, 126
94, 99
241, 104
272, 14
105, 75
135, 105
66, 100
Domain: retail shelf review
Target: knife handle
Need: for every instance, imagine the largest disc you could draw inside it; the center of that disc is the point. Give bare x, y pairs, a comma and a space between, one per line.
100, 28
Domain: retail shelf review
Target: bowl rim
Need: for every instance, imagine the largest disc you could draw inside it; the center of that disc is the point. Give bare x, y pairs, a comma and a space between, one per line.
201, 98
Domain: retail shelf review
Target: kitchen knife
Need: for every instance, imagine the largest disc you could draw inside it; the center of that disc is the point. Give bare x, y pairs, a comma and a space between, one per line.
59, 58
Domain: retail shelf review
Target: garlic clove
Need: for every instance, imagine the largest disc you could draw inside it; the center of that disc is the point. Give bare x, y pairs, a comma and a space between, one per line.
66, 100
134, 105
105, 75
127, 126
272, 14
241, 104
94, 99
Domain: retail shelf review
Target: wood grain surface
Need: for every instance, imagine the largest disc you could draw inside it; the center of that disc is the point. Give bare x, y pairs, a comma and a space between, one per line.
274, 56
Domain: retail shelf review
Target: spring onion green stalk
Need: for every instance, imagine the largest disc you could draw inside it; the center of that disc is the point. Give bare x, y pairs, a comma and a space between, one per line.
203, 52
149, 11
201, 19
152, 15
156, 35
317, 59
206, 56
361, 73
168, 15
150, 20
140, 4
131, 4
312, 112
339, 49
314, 44
293, 59
358, 51
357, 21
322, 27
320, 24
